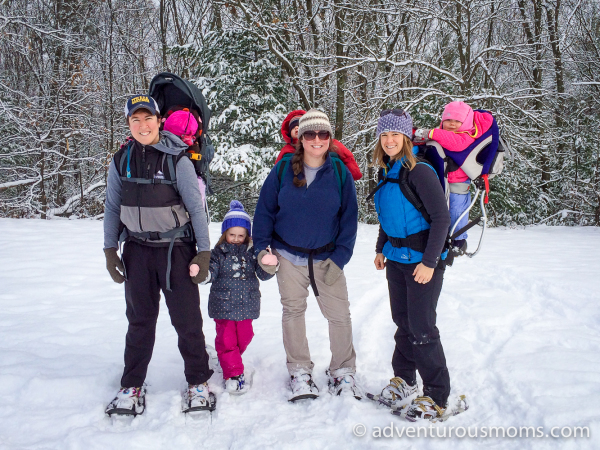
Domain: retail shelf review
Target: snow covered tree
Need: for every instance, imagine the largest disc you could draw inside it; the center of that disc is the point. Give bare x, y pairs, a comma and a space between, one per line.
249, 97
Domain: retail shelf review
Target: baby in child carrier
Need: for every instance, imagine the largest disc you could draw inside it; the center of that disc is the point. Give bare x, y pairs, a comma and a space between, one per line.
188, 127
460, 127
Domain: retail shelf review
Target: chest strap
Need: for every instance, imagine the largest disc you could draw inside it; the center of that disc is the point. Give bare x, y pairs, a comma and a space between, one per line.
311, 253
186, 231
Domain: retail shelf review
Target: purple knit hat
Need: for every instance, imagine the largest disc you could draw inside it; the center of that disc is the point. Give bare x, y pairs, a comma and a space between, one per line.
236, 217
399, 123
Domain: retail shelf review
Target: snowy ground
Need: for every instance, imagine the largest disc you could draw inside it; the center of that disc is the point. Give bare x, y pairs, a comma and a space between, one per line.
520, 325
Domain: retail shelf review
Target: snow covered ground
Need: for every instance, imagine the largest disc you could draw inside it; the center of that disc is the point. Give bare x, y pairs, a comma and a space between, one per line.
520, 324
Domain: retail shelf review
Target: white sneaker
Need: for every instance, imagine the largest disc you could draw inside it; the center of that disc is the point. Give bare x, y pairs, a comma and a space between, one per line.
398, 393
197, 398
303, 387
344, 383
237, 385
129, 401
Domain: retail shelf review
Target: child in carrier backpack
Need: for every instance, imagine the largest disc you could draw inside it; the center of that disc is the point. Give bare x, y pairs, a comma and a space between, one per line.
234, 300
187, 127
460, 127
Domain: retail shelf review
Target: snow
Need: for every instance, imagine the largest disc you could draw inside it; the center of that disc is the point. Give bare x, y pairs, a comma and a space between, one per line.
519, 325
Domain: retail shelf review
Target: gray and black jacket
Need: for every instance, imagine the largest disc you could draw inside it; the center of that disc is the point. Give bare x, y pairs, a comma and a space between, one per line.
157, 206
234, 294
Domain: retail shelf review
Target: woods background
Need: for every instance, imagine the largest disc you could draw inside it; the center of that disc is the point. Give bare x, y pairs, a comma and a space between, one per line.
67, 67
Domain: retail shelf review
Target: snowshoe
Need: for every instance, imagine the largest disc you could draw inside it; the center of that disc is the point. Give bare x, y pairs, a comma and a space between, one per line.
239, 385
424, 408
396, 395
198, 398
303, 387
344, 383
128, 402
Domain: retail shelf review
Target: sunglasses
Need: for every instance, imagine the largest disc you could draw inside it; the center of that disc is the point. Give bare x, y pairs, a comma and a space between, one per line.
311, 135
396, 112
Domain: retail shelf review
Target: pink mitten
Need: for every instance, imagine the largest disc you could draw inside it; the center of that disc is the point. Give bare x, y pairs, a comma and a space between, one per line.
270, 259
194, 269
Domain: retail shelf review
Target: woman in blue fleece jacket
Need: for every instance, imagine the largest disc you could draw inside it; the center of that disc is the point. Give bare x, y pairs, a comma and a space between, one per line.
309, 217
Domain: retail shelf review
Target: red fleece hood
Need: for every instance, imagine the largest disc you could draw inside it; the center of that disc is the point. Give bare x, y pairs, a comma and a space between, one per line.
285, 132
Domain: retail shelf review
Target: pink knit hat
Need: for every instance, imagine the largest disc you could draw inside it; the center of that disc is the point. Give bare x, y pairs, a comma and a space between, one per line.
462, 112
183, 125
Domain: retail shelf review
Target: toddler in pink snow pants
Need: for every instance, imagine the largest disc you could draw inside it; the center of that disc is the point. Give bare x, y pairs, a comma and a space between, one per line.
234, 299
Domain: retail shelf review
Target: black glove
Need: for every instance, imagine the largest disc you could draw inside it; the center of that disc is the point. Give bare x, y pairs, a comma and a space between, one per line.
203, 261
114, 265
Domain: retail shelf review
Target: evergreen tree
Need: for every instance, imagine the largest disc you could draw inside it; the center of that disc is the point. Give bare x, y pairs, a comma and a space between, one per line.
249, 98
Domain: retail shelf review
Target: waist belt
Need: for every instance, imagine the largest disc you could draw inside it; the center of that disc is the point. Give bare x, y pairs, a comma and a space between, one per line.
416, 241
311, 253
184, 231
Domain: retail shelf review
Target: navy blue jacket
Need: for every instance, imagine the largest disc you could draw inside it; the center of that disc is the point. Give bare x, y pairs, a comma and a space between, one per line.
234, 294
308, 217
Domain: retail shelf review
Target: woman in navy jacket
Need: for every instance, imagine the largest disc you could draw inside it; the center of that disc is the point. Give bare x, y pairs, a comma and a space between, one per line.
413, 249
308, 213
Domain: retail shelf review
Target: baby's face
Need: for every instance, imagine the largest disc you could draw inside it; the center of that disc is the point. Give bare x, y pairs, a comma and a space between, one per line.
294, 133
451, 125
235, 235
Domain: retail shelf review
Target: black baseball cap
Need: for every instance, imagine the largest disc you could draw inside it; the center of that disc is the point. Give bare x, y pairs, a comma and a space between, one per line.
141, 102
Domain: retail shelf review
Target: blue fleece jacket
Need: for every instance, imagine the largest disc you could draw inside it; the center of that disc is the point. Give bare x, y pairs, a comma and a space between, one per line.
308, 217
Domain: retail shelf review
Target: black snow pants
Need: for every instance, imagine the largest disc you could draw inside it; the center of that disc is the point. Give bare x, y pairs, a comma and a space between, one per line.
418, 345
146, 275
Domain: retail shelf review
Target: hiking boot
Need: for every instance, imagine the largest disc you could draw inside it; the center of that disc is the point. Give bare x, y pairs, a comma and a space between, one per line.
398, 393
424, 408
303, 387
129, 401
344, 383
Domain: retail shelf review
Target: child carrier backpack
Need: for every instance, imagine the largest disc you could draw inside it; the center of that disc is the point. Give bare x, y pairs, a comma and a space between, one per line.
481, 161
172, 93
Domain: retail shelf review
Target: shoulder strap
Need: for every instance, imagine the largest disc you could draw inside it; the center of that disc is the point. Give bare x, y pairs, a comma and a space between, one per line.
282, 166
338, 167
124, 160
340, 171
410, 194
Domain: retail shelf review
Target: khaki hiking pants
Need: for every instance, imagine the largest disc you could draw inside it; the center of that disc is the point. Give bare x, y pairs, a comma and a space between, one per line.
333, 301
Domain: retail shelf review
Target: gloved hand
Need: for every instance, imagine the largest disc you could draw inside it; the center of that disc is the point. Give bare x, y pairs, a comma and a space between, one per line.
202, 260
421, 135
267, 268
114, 265
333, 272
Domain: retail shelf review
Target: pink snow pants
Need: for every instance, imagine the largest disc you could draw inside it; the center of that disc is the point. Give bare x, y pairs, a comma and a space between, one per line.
232, 339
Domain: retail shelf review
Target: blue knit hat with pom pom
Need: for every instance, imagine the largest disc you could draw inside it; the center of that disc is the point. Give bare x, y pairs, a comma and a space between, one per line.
236, 217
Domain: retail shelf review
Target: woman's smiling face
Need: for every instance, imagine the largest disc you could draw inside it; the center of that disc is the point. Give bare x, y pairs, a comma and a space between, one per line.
391, 142
144, 127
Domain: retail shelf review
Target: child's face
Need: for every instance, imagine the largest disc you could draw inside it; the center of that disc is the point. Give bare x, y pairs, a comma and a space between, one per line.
294, 132
235, 235
391, 142
451, 125
144, 127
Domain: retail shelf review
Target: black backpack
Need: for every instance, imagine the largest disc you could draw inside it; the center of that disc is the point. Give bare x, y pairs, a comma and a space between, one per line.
171, 91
